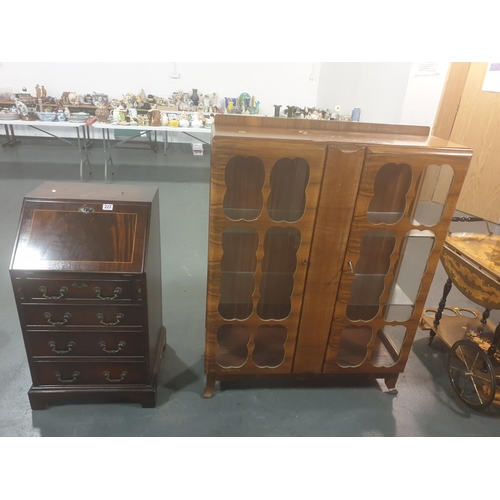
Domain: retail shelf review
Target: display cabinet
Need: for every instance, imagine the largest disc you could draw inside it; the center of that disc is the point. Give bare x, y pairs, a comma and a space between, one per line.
86, 274
324, 237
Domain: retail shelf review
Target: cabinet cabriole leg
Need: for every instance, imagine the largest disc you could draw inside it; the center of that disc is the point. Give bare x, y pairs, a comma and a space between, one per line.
209, 387
390, 382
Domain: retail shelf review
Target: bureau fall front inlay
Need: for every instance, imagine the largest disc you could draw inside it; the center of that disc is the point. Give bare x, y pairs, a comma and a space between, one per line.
86, 274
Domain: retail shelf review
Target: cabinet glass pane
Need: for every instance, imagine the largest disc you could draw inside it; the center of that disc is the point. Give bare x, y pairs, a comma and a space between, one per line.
269, 351
243, 199
278, 267
433, 187
388, 343
238, 264
415, 251
370, 272
232, 341
287, 199
353, 345
389, 194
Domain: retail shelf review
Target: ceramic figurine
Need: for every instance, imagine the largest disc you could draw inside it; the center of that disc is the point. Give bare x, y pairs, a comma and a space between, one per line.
38, 91
155, 117
44, 92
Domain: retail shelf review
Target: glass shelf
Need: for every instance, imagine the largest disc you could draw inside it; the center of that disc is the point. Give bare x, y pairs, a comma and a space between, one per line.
433, 187
288, 183
244, 179
392, 184
370, 272
278, 267
238, 265
415, 249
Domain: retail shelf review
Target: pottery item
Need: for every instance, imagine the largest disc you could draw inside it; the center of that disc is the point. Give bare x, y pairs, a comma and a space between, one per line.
154, 117
184, 123
173, 123
79, 117
164, 119
194, 97
102, 114
100, 99
61, 116
46, 116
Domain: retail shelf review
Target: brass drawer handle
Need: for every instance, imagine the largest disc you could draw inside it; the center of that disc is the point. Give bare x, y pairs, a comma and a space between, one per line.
117, 291
100, 317
122, 377
62, 291
59, 379
52, 345
47, 316
121, 345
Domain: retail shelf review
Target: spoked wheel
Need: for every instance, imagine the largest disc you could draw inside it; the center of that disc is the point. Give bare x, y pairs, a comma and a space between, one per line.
471, 374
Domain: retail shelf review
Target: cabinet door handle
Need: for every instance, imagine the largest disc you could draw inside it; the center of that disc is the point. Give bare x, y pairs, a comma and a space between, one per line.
122, 377
62, 291
117, 291
52, 345
350, 266
47, 316
67, 381
121, 345
100, 317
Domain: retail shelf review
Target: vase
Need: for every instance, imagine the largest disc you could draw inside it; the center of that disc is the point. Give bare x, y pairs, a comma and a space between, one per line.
102, 114
194, 97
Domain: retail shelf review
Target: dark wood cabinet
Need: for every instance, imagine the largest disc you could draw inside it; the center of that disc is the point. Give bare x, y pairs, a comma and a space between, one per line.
324, 237
86, 274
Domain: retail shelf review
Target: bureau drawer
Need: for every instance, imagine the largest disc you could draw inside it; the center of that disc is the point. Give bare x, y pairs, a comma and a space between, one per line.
64, 290
70, 373
65, 316
77, 343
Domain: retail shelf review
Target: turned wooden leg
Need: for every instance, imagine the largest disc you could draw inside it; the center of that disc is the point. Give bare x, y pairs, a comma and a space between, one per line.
390, 382
486, 315
439, 312
209, 387
494, 344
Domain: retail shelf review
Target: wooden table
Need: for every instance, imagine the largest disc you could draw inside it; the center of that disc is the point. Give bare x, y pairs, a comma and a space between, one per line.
42, 126
141, 132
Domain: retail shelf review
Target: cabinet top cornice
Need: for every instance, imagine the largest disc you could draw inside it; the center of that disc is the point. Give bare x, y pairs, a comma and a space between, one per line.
325, 131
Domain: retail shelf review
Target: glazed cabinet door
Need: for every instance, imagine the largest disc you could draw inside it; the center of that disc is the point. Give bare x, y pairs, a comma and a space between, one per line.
401, 218
263, 203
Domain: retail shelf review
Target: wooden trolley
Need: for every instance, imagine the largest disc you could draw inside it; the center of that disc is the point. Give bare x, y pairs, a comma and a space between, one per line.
472, 262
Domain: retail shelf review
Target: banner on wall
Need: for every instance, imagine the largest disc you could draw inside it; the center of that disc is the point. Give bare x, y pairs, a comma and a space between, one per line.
492, 78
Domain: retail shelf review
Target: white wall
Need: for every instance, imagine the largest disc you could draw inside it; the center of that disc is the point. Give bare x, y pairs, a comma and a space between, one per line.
377, 88
422, 96
271, 83
386, 92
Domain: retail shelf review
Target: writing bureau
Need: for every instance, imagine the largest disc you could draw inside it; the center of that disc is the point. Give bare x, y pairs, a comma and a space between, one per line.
86, 275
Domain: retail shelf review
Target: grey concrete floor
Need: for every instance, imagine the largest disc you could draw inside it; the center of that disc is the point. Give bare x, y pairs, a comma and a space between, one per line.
425, 406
